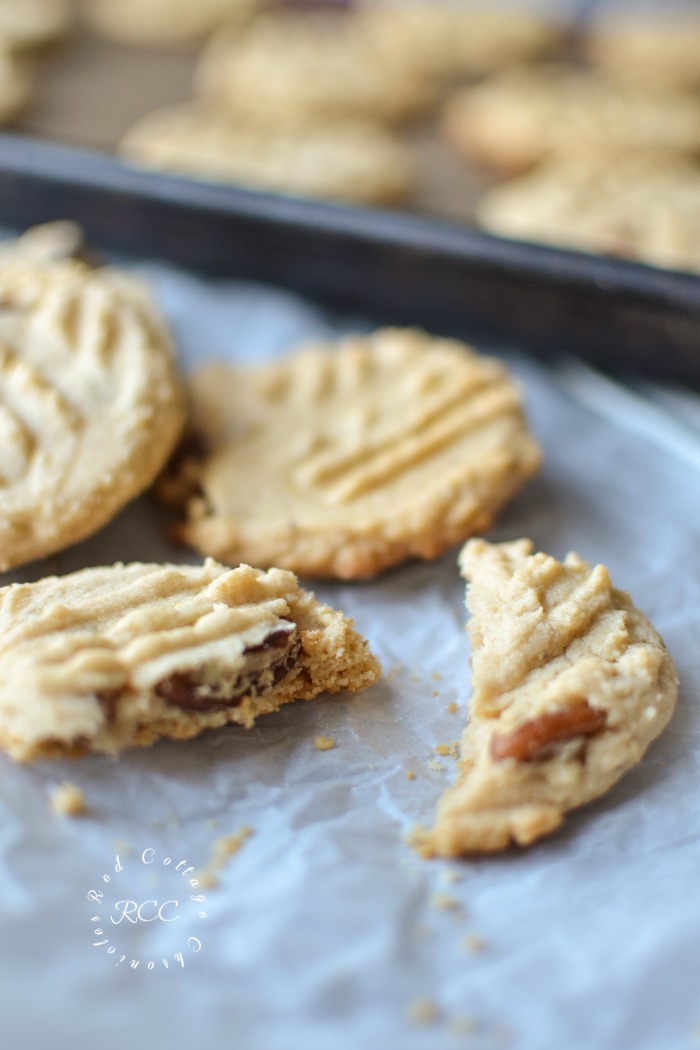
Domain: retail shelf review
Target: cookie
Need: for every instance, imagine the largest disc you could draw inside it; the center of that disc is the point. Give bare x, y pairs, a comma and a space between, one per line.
633, 204
513, 120
653, 44
163, 23
349, 160
314, 66
46, 242
570, 684
111, 657
465, 39
343, 459
34, 23
90, 400
17, 84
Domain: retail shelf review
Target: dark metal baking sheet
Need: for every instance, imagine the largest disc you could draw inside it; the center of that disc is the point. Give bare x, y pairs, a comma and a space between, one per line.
395, 268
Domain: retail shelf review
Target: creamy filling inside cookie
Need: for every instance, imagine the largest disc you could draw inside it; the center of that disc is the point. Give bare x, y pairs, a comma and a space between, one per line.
265, 666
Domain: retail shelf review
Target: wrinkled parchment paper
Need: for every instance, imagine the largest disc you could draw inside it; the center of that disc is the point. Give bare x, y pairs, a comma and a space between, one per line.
324, 930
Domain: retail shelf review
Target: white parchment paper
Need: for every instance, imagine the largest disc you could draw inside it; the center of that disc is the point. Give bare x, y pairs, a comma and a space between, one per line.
325, 930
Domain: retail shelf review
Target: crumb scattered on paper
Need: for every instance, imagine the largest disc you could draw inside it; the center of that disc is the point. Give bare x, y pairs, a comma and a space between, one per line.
462, 1025
445, 902
410, 775
452, 708
418, 838
224, 848
68, 800
436, 767
324, 743
474, 944
422, 1011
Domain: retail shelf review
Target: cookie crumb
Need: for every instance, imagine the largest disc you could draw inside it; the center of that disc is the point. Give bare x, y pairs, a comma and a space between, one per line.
419, 839
436, 692
474, 944
224, 847
227, 845
423, 1011
436, 676
324, 743
437, 767
68, 800
462, 1025
410, 775
445, 902
442, 749
452, 708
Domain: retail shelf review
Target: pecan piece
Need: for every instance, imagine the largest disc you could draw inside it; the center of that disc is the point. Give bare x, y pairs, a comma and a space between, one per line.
528, 740
268, 663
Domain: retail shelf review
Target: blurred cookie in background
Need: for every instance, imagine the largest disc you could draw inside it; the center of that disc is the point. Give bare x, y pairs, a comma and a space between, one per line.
163, 23
512, 120
351, 160
648, 42
471, 38
17, 84
642, 205
310, 65
34, 23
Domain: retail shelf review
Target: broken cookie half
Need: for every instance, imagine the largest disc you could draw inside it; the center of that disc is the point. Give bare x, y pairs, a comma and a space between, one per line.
571, 683
111, 657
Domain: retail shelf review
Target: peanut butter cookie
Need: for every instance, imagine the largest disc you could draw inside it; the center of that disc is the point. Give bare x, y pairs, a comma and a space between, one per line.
352, 160
111, 657
636, 204
341, 460
513, 120
467, 39
647, 43
34, 23
164, 23
90, 400
570, 682
309, 66
17, 84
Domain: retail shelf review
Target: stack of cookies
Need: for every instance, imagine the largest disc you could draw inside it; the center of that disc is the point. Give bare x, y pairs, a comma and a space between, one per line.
337, 460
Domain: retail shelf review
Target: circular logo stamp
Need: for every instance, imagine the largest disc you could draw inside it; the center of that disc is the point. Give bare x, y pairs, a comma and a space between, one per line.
146, 892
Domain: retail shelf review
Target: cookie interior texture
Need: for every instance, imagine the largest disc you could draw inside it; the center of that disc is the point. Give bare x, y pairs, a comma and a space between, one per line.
91, 403
343, 459
571, 683
111, 657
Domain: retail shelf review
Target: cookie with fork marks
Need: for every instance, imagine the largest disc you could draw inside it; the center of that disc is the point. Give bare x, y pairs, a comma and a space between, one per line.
343, 459
571, 683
